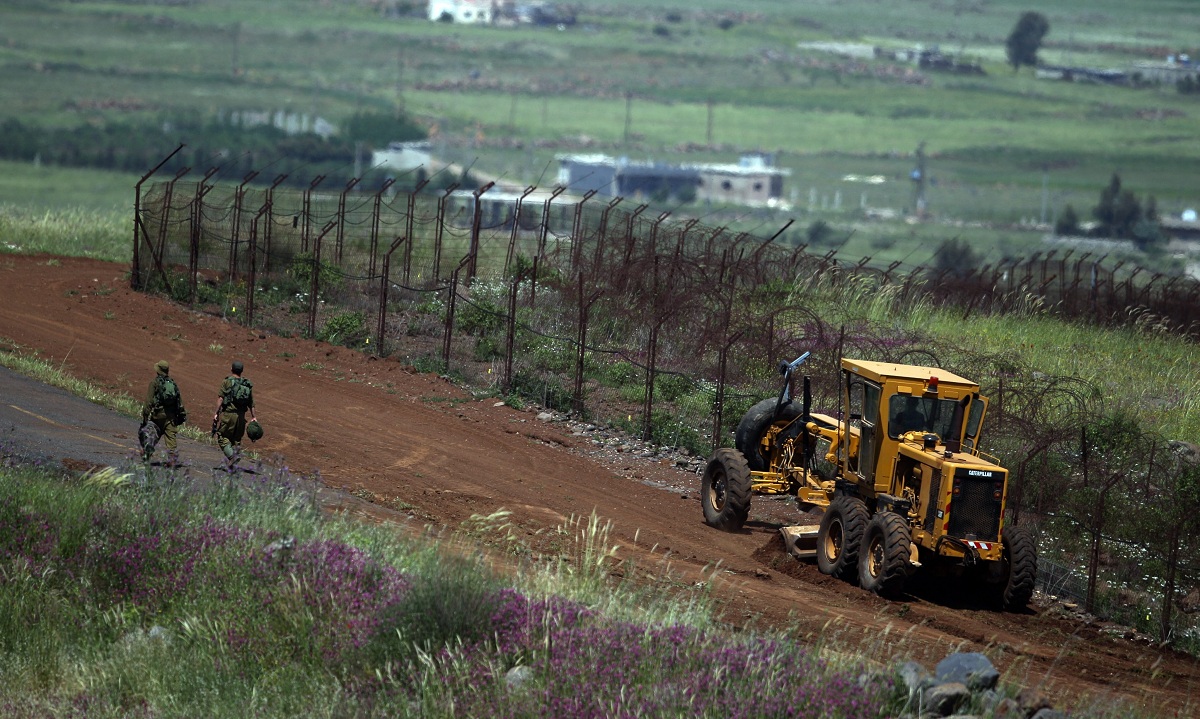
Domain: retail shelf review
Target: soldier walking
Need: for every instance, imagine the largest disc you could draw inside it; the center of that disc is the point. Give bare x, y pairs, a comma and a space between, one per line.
229, 421
164, 412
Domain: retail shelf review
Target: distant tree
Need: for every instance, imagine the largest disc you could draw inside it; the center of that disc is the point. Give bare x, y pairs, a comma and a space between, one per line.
1068, 222
1121, 216
819, 233
955, 257
1025, 39
377, 129
1105, 211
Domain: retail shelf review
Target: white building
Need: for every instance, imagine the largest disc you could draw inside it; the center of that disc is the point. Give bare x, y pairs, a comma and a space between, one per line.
404, 156
477, 12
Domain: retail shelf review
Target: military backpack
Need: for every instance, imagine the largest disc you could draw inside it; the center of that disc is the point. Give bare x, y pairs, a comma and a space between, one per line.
239, 394
166, 394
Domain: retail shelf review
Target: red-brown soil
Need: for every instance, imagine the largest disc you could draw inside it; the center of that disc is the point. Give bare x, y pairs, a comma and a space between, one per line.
380, 430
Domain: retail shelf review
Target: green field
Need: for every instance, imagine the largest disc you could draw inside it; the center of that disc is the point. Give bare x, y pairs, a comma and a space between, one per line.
706, 81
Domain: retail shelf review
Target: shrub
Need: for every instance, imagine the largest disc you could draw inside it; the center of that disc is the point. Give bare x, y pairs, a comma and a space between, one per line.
479, 317
1067, 223
451, 602
346, 328
547, 392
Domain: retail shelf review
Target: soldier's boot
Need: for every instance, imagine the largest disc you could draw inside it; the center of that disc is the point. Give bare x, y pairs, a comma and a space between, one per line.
230, 457
173, 459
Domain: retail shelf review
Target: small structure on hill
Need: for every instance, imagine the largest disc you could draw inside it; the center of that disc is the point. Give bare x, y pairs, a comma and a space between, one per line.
469, 12
753, 181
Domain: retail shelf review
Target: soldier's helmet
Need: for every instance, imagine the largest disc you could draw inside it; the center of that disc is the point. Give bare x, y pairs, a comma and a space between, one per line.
254, 430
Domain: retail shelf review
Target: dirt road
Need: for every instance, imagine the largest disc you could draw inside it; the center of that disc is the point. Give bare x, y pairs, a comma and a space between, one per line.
379, 430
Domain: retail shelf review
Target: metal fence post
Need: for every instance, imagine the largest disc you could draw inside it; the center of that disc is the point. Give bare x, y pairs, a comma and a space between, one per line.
316, 280
384, 282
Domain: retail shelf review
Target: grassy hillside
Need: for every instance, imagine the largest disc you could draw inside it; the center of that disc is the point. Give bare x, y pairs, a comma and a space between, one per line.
1003, 148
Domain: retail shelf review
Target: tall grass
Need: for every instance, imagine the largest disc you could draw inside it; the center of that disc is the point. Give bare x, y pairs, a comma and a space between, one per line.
137, 594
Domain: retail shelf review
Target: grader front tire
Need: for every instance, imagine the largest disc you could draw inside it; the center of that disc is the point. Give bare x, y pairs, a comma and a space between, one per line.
883, 560
839, 536
1020, 554
725, 490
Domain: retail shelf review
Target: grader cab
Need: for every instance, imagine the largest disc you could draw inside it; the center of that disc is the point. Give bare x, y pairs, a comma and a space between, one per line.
899, 473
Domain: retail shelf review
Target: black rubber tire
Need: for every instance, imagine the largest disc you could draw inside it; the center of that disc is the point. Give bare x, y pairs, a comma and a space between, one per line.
748, 436
840, 535
1020, 555
883, 560
725, 490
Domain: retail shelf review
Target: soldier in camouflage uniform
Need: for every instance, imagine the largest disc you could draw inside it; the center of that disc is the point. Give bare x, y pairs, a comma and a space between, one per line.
164, 409
229, 422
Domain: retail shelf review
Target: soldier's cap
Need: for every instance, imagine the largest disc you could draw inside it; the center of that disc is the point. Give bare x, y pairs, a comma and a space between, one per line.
237, 368
162, 367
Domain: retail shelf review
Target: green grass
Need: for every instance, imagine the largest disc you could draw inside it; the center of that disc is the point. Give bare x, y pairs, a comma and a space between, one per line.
144, 594
532, 93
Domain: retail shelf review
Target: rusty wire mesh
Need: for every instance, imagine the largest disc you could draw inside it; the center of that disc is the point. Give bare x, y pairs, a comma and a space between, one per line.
560, 288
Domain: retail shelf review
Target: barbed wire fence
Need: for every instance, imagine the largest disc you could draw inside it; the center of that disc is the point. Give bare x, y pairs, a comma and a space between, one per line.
586, 304
572, 284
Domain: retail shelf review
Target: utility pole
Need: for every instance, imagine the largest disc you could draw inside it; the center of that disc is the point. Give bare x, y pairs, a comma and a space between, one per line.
920, 181
399, 82
628, 113
1045, 191
709, 132
237, 39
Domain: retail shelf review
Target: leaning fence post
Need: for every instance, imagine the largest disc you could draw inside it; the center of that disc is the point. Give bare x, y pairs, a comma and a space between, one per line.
651, 361
341, 220
384, 283
451, 303
408, 226
439, 230
316, 280
541, 250
476, 222
511, 331
577, 232
235, 230
602, 234
135, 276
516, 227
197, 220
304, 232
585, 309
719, 400
252, 261
269, 207
375, 211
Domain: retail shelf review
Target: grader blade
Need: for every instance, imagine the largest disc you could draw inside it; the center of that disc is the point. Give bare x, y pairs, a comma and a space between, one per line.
801, 541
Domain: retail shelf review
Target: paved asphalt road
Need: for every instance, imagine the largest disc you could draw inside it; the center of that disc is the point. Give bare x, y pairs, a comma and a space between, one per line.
50, 426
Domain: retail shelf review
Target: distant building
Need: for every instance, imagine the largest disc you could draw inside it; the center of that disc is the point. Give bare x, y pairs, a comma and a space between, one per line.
1169, 72
403, 156
753, 181
1082, 74
468, 12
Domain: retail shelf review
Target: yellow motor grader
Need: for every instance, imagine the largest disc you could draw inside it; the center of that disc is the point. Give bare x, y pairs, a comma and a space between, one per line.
902, 480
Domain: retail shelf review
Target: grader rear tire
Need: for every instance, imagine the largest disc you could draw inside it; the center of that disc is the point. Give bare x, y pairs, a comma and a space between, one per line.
755, 423
883, 560
840, 535
725, 490
1020, 554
